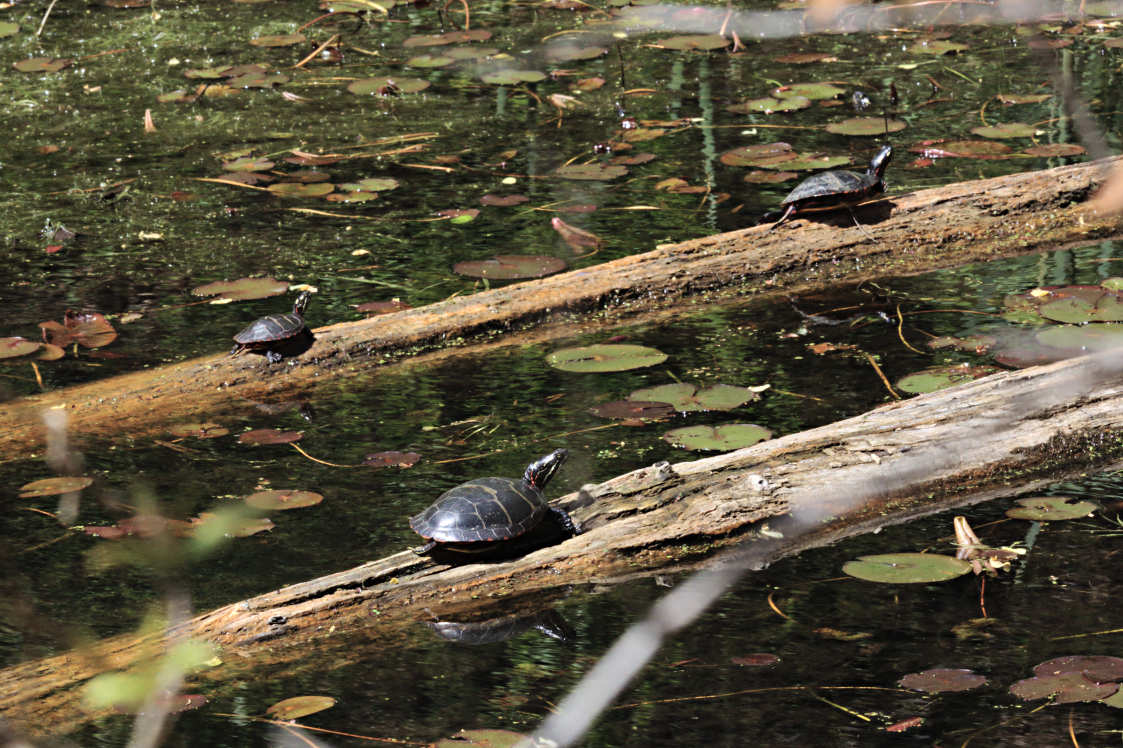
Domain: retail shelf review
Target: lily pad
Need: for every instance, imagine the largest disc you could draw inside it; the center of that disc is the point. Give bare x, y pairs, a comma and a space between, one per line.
16, 347
392, 459
387, 86
198, 430
269, 436
7, 28
1100, 668
761, 659
1081, 339
470, 53
768, 105
942, 680
605, 357
513, 76
987, 149
1053, 150
371, 184
720, 438
769, 177
243, 288
813, 163
630, 410
687, 397
596, 171
279, 40
237, 527
54, 486
280, 500
1050, 509
939, 377
89, 329
452, 37
482, 739
299, 706
906, 568
510, 267
504, 201
258, 80
813, 91
763, 155
694, 41
430, 61
301, 189
1010, 99
937, 47
865, 126
248, 163
572, 53
1065, 688
1005, 130
42, 64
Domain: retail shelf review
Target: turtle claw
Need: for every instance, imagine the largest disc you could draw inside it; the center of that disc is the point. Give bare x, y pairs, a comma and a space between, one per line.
274, 357
565, 521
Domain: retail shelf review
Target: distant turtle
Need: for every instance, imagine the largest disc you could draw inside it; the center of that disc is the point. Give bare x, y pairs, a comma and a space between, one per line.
487, 510
830, 190
266, 333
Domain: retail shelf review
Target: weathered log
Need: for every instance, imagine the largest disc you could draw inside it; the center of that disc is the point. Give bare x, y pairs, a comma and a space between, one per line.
947, 226
1003, 433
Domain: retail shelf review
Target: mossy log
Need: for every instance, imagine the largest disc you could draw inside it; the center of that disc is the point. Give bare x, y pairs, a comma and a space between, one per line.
952, 225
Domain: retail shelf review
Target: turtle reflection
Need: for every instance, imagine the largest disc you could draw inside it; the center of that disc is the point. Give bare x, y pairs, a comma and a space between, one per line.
474, 633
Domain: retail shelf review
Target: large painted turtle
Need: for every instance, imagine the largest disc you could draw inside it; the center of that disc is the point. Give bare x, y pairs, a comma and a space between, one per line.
266, 333
486, 510
829, 190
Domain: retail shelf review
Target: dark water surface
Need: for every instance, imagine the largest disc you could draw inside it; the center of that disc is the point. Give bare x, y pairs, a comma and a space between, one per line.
844, 643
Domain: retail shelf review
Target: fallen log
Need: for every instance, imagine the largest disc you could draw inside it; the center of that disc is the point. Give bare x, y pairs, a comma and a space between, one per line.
1006, 433
952, 225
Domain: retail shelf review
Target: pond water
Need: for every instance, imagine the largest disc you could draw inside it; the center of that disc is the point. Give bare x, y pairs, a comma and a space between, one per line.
77, 155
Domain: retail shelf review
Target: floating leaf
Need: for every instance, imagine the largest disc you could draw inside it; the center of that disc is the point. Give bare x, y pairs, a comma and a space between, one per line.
964, 149
452, 37
248, 163
906, 568
279, 40
633, 410
687, 397
595, 171
7, 28
939, 377
511, 76
504, 201
54, 486
233, 526
1005, 130
1065, 688
1050, 509
510, 267
200, 430
814, 163
942, 680
243, 288
16, 347
470, 53
392, 459
482, 739
937, 47
1023, 98
1081, 339
813, 91
371, 184
804, 58
1052, 150
769, 177
458, 216
722, 438
270, 436
387, 86
768, 105
865, 126
300, 706
275, 499
1100, 668
764, 155
258, 80
430, 61
301, 189
572, 53
577, 239
605, 357
694, 41
42, 65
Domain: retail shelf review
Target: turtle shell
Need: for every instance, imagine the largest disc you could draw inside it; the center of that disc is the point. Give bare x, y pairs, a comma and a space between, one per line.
482, 510
833, 188
272, 328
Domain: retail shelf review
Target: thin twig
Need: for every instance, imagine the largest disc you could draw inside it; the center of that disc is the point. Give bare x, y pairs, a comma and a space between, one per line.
44, 21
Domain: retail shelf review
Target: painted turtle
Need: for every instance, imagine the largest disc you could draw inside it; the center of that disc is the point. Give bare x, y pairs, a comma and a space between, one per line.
486, 510
829, 190
265, 333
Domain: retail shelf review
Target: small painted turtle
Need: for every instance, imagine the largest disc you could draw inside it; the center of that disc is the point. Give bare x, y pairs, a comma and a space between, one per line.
829, 190
486, 510
265, 333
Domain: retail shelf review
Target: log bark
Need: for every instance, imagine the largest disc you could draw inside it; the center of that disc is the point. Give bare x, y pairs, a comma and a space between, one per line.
1008, 432
952, 225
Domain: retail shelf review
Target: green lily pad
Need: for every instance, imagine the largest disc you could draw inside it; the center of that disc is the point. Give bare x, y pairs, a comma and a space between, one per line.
1082, 339
482, 739
258, 80
720, 438
605, 357
813, 91
301, 189
248, 163
1078, 310
238, 527
452, 37
42, 64
8, 28
937, 47
942, 680
865, 126
387, 86
510, 267
54, 486
207, 73
756, 155
279, 40
1054, 150
300, 706
629, 410
269, 436
1005, 130
430, 61
597, 171
1026, 307
1050, 509
355, 196
694, 41
813, 163
371, 184
906, 568
768, 105
939, 377
687, 397
243, 288
16, 347
511, 77
280, 500
1065, 688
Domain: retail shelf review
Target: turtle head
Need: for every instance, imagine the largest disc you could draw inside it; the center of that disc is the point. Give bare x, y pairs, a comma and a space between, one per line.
879, 162
539, 472
301, 303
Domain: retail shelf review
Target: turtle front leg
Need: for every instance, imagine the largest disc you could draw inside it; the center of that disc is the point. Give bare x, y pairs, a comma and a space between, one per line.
565, 521
422, 550
787, 214
273, 356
